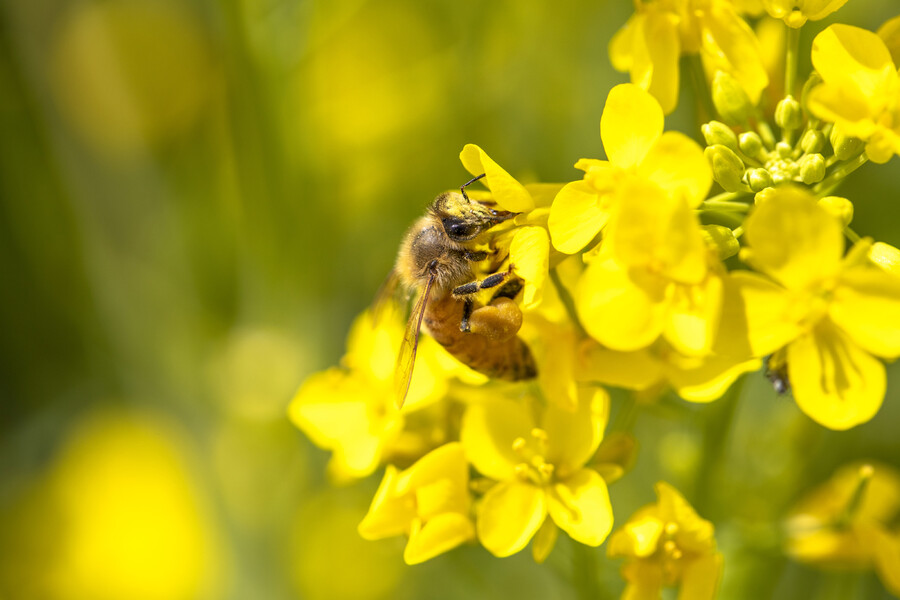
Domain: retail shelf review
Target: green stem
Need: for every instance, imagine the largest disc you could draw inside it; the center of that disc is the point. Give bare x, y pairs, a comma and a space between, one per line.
724, 205
825, 187
727, 197
792, 45
705, 107
584, 573
566, 298
852, 235
738, 232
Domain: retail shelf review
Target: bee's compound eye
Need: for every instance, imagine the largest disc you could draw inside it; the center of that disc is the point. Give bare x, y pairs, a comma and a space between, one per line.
459, 230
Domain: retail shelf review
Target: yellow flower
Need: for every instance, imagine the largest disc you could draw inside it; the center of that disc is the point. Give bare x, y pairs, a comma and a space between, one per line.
831, 314
631, 129
429, 502
651, 277
653, 39
795, 13
695, 379
845, 522
539, 467
351, 411
667, 544
861, 89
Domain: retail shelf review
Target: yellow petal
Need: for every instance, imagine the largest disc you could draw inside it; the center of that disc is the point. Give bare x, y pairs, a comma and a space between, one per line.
793, 239
509, 515
730, 45
711, 378
835, 382
438, 535
866, 305
637, 370
700, 578
886, 257
544, 541
655, 50
573, 436
768, 310
487, 434
645, 580
580, 506
620, 46
887, 560
576, 216
844, 103
890, 33
631, 123
530, 253
846, 55
508, 193
676, 163
639, 537
694, 533
617, 312
694, 316
445, 466
388, 515
819, 9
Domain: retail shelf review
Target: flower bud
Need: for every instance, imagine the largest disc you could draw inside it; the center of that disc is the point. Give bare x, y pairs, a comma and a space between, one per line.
727, 167
840, 208
723, 239
759, 179
784, 149
730, 99
813, 141
751, 144
812, 168
717, 132
844, 146
763, 196
788, 114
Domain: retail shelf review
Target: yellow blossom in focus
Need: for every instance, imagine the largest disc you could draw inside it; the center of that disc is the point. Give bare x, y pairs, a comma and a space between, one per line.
650, 44
351, 411
847, 523
831, 313
631, 129
652, 277
667, 544
539, 467
795, 13
861, 89
429, 502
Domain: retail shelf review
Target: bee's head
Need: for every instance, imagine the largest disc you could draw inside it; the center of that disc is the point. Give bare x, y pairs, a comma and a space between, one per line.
464, 219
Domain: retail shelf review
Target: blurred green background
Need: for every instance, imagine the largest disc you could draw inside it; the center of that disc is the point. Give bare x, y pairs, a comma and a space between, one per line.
197, 196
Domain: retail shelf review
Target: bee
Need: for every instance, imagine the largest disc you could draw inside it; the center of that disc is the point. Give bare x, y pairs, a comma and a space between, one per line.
436, 259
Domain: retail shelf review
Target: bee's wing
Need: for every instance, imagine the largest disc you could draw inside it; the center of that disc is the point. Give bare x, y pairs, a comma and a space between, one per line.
407, 358
387, 297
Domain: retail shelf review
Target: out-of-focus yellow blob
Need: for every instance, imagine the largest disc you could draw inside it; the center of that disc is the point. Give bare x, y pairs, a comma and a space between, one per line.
130, 74
330, 560
131, 523
255, 372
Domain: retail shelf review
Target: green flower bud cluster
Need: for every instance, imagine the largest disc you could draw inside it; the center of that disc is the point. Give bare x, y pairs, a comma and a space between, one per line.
753, 160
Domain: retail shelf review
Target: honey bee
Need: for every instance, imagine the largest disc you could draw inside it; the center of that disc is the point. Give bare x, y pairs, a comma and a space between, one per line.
436, 259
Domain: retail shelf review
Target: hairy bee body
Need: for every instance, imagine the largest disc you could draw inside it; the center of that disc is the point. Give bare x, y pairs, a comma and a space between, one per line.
435, 260
504, 357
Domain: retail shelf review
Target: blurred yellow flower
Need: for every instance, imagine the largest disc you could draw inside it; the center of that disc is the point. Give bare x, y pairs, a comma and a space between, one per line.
796, 13
832, 314
651, 277
631, 129
861, 89
651, 43
429, 502
351, 411
667, 544
540, 470
847, 522
119, 514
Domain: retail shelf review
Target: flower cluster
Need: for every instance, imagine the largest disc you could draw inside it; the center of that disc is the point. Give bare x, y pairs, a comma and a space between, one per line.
665, 266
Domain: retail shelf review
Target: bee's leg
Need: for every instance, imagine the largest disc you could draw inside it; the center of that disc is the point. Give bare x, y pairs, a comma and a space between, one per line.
510, 290
475, 256
468, 305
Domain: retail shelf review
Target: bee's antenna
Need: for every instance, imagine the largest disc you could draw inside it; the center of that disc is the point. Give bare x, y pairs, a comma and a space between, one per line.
463, 187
